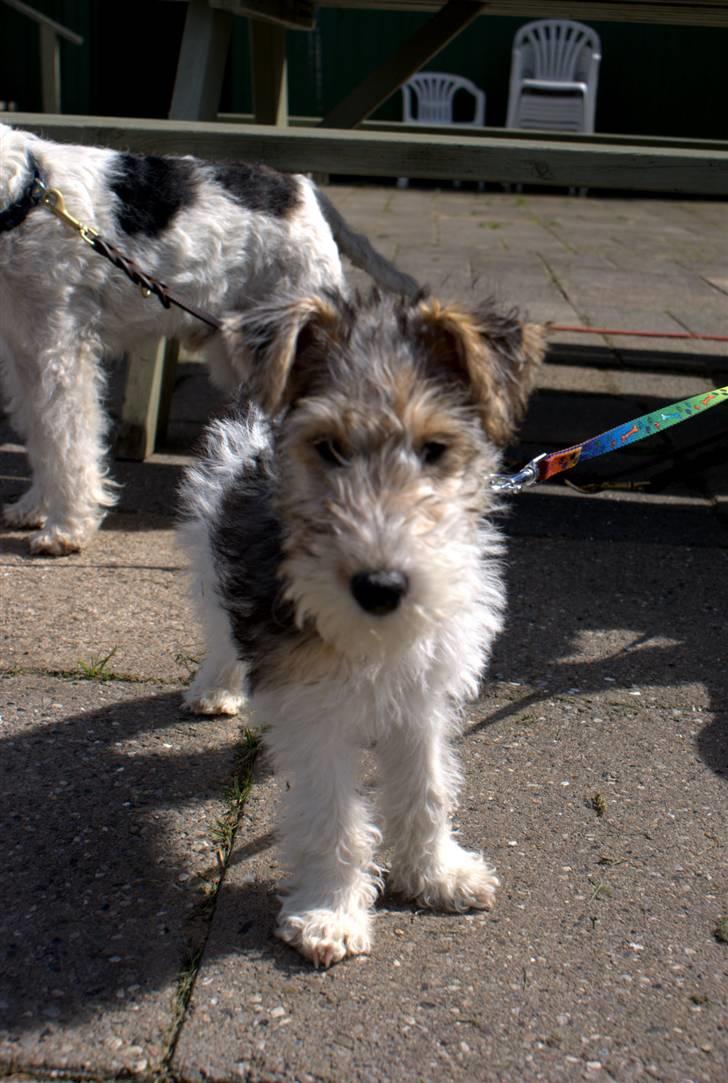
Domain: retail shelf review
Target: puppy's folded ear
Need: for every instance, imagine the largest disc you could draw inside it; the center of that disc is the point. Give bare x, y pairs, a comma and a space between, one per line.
271, 345
495, 354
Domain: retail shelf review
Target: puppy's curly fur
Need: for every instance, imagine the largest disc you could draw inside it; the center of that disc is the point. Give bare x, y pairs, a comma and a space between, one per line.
347, 573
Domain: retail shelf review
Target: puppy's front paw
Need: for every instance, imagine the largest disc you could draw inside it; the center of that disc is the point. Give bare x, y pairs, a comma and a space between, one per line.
325, 937
461, 881
213, 701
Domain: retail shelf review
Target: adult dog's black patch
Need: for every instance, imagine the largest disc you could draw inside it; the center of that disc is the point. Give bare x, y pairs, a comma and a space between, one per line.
258, 187
150, 191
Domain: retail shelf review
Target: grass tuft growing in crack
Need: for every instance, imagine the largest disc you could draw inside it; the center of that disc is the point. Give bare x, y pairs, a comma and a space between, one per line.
236, 794
223, 836
97, 669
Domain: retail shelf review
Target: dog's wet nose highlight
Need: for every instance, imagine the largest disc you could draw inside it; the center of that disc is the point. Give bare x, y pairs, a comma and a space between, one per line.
379, 592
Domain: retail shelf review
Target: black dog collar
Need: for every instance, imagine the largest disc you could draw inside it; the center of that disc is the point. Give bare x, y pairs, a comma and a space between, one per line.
17, 212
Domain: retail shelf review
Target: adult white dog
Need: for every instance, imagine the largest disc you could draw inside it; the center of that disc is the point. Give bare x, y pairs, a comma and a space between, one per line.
220, 235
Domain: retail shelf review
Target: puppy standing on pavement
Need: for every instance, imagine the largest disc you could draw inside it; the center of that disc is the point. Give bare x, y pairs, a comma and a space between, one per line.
346, 570
220, 235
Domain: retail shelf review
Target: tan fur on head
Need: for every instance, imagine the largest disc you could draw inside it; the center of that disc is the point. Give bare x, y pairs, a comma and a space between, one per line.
265, 345
497, 355
277, 348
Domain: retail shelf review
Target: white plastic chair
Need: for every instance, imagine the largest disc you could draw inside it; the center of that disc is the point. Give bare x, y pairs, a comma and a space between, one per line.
429, 98
554, 75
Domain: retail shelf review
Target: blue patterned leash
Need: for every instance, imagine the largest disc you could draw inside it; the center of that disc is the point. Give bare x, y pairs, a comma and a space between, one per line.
555, 462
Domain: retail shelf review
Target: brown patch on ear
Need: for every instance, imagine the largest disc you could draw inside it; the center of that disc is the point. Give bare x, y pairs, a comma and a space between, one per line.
270, 346
496, 355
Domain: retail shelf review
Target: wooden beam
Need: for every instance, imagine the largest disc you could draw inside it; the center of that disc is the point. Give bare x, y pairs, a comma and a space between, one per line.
468, 131
145, 375
661, 12
201, 64
412, 55
269, 73
674, 170
295, 14
50, 69
43, 20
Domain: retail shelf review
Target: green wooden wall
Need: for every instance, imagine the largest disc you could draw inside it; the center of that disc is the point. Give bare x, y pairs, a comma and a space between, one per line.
654, 80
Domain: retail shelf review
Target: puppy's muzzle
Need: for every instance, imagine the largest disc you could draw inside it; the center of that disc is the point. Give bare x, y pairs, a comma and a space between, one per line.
379, 592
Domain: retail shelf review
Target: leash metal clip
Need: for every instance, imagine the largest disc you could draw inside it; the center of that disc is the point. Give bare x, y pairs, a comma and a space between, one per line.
52, 198
513, 483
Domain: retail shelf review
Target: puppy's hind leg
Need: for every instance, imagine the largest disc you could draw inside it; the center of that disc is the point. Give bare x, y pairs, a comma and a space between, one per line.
217, 687
420, 779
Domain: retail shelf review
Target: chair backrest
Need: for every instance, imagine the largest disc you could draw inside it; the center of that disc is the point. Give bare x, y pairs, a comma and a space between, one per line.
556, 49
428, 97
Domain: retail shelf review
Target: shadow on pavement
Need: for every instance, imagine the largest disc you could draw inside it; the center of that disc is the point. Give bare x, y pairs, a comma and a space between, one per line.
589, 613
94, 902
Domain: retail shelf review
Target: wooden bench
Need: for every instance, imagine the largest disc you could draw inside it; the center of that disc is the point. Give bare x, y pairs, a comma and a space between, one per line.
673, 166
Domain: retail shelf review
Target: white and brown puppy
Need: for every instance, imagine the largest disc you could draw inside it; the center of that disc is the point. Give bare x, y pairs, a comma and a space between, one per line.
220, 236
348, 579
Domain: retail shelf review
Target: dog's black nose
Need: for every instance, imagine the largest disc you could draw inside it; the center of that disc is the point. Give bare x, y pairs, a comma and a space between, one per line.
379, 592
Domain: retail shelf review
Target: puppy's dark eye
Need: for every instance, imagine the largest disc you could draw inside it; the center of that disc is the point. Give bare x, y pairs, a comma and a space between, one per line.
331, 452
432, 452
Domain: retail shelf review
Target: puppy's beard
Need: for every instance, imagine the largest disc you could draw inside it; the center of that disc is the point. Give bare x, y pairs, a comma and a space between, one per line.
438, 588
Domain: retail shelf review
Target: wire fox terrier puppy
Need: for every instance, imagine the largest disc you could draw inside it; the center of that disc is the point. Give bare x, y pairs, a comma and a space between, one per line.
345, 568
222, 235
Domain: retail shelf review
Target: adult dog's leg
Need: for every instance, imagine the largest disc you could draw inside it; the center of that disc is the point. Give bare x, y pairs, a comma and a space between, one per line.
58, 408
28, 511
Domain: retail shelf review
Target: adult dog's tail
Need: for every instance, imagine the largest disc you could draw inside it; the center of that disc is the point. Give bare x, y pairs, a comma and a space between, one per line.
364, 255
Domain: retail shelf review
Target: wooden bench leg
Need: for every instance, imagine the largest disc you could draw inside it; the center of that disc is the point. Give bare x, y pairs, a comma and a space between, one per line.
201, 64
269, 73
149, 378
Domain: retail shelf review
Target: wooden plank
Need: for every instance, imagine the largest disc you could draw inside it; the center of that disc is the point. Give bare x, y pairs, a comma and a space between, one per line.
468, 132
504, 134
201, 63
674, 170
140, 410
269, 73
412, 55
677, 12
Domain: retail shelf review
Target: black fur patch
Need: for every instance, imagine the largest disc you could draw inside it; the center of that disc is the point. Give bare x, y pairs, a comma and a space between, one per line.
151, 190
246, 542
259, 188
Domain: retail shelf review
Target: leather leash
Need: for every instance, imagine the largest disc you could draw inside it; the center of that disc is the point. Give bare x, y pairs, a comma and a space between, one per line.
52, 199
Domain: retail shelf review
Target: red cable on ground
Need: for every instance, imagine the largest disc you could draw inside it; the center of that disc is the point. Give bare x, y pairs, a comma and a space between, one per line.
637, 334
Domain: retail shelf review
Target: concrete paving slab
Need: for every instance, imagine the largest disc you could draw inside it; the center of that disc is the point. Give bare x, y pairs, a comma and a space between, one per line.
599, 793
601, 957
110, 795
123, 597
